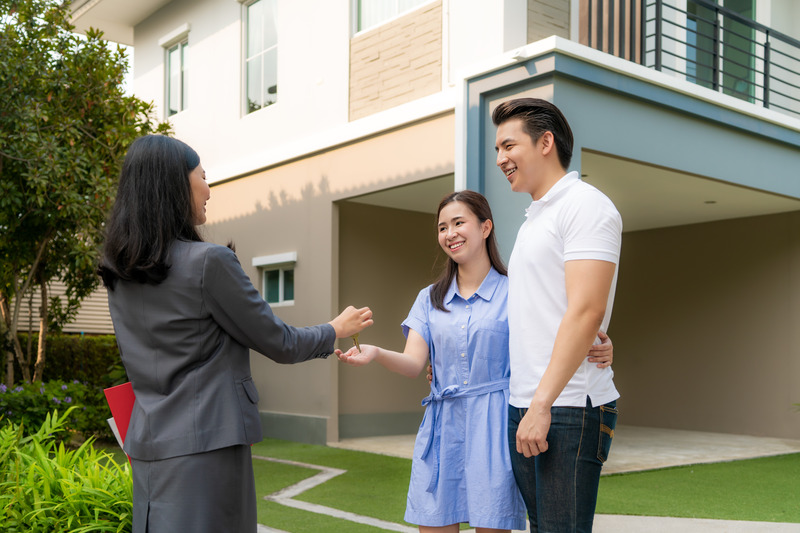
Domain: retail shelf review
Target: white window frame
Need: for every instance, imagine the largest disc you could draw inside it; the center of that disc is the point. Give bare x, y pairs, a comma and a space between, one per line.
178, 37
245, 110
354, 11
281, 263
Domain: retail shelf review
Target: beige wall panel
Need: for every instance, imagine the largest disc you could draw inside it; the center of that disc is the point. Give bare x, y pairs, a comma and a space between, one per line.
290, 208
548, 17
386, 257
92, 318
396, 62
705, 327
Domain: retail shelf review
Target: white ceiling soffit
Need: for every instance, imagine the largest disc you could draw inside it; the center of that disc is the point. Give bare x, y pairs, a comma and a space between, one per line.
650, 197
116, 18
422, 196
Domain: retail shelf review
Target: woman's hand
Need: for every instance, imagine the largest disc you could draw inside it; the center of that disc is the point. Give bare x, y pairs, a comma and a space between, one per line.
351, 321
602, 354
353, 357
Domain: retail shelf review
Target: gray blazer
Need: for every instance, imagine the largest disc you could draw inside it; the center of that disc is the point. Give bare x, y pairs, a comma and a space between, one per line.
185, 346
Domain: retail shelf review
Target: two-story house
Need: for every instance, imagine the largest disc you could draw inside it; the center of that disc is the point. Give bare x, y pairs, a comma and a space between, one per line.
330, 130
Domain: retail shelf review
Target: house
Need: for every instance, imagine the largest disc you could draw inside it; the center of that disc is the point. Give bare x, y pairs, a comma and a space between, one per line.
330, 131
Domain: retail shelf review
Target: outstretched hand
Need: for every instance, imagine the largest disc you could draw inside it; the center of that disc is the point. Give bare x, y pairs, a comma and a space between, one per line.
351, 321
602, 354
356, 358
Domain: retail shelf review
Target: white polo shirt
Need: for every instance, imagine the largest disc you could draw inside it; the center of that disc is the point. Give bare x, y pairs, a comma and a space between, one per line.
572, 221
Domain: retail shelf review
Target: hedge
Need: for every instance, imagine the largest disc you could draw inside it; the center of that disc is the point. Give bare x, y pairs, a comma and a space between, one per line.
91, 359
77, 369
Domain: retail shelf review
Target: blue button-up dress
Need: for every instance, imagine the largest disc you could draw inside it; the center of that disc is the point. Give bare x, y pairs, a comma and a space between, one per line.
461, 471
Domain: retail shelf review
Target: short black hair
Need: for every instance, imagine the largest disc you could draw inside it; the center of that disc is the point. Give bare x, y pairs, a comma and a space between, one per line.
539, 116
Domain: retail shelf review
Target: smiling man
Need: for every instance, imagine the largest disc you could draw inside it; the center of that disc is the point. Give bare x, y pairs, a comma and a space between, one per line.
562, 276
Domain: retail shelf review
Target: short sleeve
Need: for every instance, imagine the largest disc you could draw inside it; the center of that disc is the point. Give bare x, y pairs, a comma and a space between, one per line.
591, 227
417, 318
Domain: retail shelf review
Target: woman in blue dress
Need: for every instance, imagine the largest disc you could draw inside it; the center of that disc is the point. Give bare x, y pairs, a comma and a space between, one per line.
461, 471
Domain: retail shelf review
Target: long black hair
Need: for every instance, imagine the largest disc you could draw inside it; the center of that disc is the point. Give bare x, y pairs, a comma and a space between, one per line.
153, 208
479, 206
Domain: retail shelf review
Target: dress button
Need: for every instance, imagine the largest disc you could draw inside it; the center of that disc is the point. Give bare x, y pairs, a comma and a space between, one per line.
463, 355
463, 326
465, 382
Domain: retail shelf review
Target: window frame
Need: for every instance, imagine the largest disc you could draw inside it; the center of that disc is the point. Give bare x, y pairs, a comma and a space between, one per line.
245, 108
177, 38
281, 263
356, 4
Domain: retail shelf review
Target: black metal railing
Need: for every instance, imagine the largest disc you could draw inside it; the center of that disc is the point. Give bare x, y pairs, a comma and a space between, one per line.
723, 50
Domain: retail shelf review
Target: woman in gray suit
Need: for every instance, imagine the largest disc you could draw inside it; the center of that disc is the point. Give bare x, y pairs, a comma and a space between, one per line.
186, 315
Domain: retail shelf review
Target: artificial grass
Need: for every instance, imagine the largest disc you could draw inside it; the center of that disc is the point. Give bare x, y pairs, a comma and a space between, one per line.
374, 485
763, 490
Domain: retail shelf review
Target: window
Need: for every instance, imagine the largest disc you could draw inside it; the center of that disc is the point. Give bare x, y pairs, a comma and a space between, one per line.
279, 286
176, 77
176, 54
277, 277
373, 12
261, 55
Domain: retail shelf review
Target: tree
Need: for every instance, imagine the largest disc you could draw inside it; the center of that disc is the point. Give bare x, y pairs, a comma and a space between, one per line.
65, 124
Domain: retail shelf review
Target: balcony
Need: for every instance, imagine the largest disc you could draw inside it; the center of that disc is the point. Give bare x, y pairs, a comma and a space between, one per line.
700, 42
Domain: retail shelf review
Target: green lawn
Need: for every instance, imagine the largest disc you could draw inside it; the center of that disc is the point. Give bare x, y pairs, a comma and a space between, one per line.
374, 485
764, 489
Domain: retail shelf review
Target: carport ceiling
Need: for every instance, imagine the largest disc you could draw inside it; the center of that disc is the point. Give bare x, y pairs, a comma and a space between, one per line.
648, 197
652, 197
421, 196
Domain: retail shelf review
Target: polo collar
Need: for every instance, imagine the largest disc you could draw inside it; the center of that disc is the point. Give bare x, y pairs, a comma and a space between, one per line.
558, 187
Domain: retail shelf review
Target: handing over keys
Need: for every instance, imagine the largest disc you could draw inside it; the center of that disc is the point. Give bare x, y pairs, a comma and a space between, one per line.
355, 341
351, 322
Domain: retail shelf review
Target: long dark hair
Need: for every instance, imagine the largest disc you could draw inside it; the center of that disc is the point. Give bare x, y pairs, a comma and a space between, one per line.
153, 208
479, 206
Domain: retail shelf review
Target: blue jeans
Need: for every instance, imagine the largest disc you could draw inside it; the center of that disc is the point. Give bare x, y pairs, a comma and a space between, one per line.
559, 486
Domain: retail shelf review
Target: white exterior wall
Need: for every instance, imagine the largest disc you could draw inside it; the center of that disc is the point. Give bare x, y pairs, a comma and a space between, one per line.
313, 56
476, 30
313, 46
782, 15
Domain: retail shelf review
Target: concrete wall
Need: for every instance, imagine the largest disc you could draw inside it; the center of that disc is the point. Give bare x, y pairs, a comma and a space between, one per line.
292, 208
548, 17
385, 257
705, 327
396, 62
313, 56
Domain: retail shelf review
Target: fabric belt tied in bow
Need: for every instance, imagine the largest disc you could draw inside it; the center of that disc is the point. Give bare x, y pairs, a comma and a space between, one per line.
437, 398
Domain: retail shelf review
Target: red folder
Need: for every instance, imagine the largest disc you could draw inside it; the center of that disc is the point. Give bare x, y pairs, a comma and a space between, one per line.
120, 399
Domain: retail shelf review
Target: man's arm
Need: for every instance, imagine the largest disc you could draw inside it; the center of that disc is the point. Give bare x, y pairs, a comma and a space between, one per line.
588, 283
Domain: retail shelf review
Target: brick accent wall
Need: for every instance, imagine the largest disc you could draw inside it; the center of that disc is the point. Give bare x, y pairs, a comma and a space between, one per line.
546, 18
396, 62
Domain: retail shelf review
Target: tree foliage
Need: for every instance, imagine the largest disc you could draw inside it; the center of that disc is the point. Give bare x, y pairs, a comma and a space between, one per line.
65, 124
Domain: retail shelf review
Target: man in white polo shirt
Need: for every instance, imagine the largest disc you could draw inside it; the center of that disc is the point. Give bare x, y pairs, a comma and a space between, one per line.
562, 276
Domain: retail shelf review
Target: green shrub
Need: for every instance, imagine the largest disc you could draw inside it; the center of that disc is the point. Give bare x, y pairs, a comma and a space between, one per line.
46, 487
29, 404
93, 359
